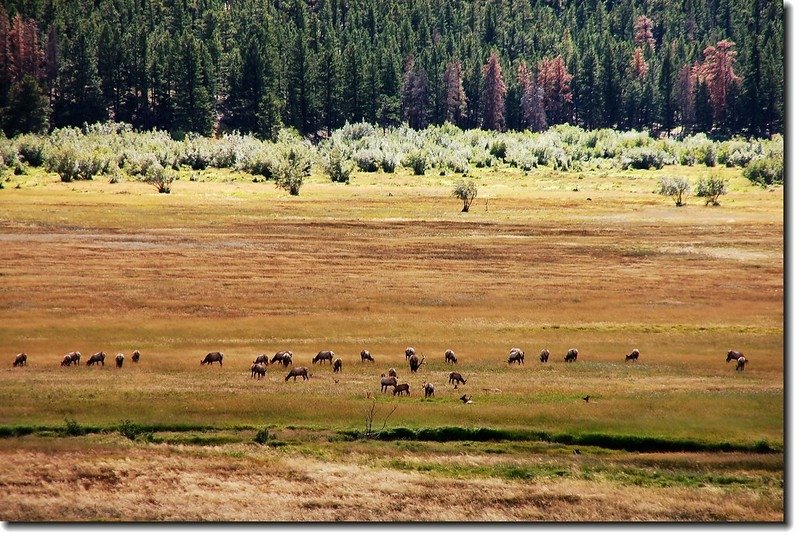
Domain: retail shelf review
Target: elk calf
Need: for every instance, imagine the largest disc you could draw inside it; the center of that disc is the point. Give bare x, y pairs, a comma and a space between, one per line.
400, 388
456, 378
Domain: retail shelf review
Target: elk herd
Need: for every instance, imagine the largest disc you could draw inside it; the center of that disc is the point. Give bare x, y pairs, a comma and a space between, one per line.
258, 368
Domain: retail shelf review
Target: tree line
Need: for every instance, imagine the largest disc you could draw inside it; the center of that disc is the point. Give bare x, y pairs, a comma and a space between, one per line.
255, 66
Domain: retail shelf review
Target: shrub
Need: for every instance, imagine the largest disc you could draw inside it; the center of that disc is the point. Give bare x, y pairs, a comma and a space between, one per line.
73, 428
337, 166
675, 187
499, 148
416, 159
161, 178
63, 160
465, 191
643, 158
293, 165
765, 171
31, 149
711, 189
262, 436
129, 430
368, 159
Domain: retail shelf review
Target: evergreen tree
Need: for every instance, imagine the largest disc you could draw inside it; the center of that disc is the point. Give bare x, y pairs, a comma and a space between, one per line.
493, 96
27, 110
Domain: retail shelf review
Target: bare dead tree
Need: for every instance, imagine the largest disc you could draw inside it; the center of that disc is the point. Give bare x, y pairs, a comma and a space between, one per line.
369, 432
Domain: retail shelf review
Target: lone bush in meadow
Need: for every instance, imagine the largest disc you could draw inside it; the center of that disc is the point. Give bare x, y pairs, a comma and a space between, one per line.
465, 191
711, 189
337, 166
676, 188
294, 164
765, 171
161, 178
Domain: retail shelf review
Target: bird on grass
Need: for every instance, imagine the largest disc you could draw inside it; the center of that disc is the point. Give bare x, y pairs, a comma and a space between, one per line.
586, 398
466, 398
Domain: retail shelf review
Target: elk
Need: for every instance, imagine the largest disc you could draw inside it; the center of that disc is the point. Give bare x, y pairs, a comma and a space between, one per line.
321, 356
410, 351
366, 356
258, 370
516, 355
449, 357
571, 355
298, 372
733, 355
21, 359
71, 358
98, 357
456, 378
633, 356
337, 365
261, 359
385, 382
414, 363
544, 356
400, 388
429, 389
284, 357
120, 358
742, 361
212, 357
135, 357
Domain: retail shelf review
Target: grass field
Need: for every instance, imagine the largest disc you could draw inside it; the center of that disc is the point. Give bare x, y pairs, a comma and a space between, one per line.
592, 260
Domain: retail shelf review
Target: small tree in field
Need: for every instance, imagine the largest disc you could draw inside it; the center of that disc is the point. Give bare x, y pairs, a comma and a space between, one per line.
293, 166
160, 177
711, 189
465, 191
675, 187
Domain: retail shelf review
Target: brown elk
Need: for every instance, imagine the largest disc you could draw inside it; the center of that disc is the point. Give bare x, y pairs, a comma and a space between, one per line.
21, 359
258, 370
120, 358
429, 389
98, 357
298, 372
571, 355
385, 382
71, 358
212, 357
544, 356
410, 351
516, 355
284, 357
449, 357
400, 388
742, 361
456, 378
135, 357
366, 356
414, 363
633, 356
261, 359
321, 356
733, 355
337, 365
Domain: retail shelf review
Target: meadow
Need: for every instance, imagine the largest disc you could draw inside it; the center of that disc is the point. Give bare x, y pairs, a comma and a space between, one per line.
589, 258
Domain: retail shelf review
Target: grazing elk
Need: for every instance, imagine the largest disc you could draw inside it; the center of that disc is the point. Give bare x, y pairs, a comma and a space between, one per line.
633, 356
120, 358
66, 361
337, 365
733, 355
135, 357
298, 372
544, 356
258, 370
321, 356
742, 361
366, 356
456, 378
261, 359
21, 359
212, 357
97, 357
429, 389
410, 351
516, 355
414, 363
571, 355
399, 388
72, 358
385, 382
284, 357
449, 357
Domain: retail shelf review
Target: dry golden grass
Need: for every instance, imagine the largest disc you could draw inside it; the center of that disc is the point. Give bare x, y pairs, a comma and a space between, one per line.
383, 263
